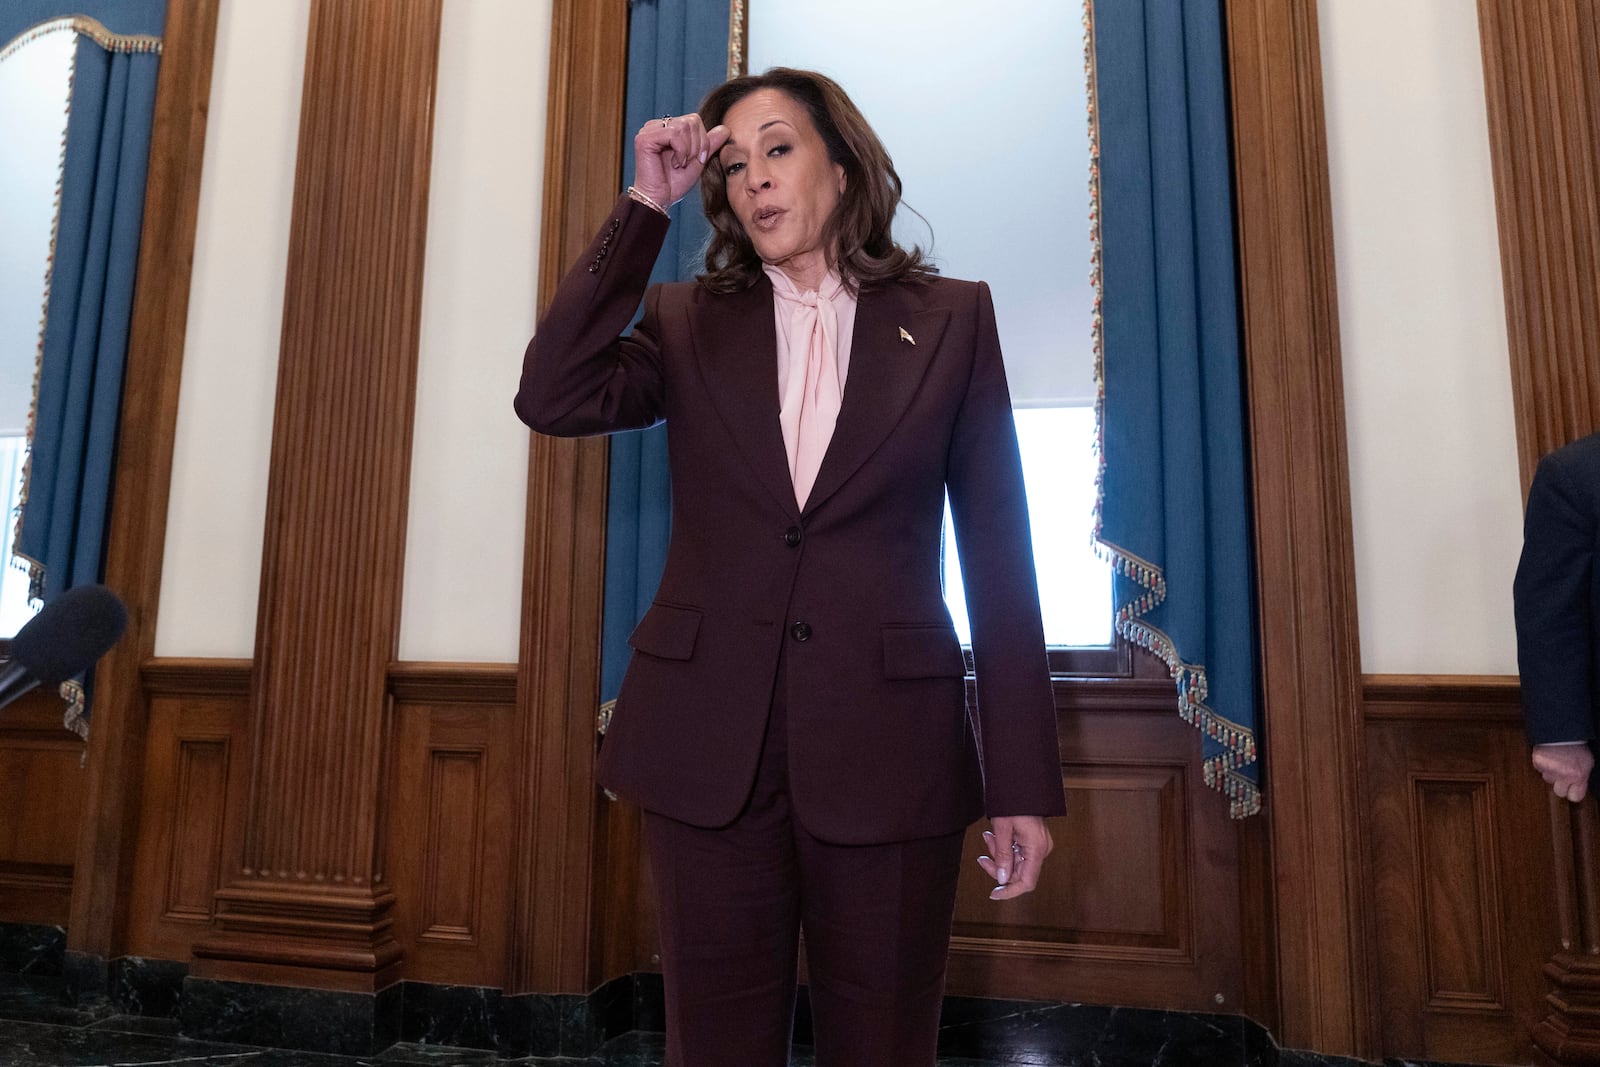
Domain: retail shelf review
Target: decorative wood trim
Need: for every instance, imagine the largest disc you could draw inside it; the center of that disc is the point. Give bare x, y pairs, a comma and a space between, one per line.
558, 661
1541, 70
108, 831
1498, 690
310, 893
1309, 649
174, 676
1466, 700
738, 38
415, 682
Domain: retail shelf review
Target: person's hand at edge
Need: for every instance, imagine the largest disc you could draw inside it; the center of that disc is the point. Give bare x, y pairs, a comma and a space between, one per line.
1566, 767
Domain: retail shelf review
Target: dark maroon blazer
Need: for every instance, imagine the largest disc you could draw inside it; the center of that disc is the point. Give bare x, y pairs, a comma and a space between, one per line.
881, 747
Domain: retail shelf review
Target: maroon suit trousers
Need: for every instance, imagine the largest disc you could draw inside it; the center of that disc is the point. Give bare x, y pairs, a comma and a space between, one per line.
733, 902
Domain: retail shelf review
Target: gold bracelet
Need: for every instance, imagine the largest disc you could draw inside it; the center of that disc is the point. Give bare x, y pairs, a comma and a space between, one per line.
634, 193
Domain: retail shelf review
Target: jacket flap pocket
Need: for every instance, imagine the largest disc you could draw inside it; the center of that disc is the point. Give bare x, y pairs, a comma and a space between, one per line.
922, 652
666, 631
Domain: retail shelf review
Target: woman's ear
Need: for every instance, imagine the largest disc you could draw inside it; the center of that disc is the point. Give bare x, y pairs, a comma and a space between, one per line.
838, 169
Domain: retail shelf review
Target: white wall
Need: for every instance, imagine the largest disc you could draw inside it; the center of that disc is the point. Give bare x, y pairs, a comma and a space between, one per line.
211, 573
469, 461
469, 469
1433, 459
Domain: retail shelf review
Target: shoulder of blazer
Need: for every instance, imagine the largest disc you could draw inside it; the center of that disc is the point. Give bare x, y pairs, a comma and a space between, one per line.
934, 293
1576, 467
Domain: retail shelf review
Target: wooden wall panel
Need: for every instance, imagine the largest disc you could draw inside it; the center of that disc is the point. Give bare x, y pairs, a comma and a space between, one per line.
450, 821
1139, 905
1461, 869
198, 710
42, 778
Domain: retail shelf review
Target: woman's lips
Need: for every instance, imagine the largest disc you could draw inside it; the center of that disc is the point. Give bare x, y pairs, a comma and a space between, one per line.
767, 218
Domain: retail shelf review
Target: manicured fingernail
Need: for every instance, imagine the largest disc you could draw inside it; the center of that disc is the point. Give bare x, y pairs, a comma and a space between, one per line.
1001, 875
702, 158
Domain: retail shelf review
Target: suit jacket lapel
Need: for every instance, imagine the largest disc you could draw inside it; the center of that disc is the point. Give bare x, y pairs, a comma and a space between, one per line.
735, 338
885, 370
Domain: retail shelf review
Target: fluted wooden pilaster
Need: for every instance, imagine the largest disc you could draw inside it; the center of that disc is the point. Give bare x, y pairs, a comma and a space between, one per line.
558, 670
308, 902
1541, 66
1541, 69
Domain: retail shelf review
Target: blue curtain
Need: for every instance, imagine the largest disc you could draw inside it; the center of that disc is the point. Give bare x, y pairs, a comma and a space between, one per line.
1174, 510
89, 312
677, 52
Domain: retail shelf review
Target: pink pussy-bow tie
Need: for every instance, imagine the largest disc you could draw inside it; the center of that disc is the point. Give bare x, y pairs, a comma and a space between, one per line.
808, 407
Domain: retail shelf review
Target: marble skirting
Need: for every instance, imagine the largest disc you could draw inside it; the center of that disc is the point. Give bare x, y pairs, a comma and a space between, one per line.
34, 950
139, 1011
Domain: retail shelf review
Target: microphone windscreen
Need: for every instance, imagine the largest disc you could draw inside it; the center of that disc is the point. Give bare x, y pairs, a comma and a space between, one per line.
70, 633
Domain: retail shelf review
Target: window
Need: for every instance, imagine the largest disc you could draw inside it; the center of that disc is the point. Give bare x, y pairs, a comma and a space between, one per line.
35, 87
15, 608
1074, 583
999, 166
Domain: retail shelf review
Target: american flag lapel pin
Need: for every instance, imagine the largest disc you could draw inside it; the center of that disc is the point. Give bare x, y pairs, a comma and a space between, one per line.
907, 338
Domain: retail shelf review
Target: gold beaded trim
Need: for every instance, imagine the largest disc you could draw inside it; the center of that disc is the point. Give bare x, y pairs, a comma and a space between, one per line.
91, 28
738, 38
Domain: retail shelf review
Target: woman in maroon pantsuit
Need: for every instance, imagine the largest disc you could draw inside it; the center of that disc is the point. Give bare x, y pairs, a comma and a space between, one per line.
793, 721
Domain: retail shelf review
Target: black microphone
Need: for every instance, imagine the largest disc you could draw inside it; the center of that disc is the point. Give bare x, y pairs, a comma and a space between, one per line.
65, 639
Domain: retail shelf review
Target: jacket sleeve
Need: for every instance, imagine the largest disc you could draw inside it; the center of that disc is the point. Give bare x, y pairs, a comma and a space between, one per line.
580, 376
1016, 706
1554, 615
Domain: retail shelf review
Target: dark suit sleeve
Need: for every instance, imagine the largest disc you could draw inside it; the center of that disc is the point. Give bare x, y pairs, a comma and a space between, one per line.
579, 375
1553, 610
1017, 721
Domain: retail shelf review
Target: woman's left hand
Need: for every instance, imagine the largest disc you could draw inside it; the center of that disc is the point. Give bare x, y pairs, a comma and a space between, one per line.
1020, 843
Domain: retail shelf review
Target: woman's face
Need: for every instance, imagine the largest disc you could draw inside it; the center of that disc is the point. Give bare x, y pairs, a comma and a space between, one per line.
780, 182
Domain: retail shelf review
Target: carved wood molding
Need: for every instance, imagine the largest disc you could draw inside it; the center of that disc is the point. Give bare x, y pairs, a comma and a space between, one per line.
176, 676
310, 891
453, 683
1466, 700
558, 661
1309, 650
1541, 69
137, 540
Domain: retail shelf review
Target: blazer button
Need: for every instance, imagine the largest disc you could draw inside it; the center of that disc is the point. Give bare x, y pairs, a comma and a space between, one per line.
800, 631
791, 536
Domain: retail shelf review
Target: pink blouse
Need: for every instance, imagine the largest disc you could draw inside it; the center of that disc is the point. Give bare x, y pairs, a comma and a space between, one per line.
814, 331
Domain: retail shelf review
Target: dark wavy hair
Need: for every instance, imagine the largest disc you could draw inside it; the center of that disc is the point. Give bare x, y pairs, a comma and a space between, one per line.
858, 236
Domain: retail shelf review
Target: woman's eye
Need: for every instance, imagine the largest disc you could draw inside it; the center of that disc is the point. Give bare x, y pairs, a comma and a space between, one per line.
734, 168
779, 150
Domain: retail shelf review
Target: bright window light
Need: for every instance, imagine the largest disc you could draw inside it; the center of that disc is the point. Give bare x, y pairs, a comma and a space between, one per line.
1058, 468
15, 610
